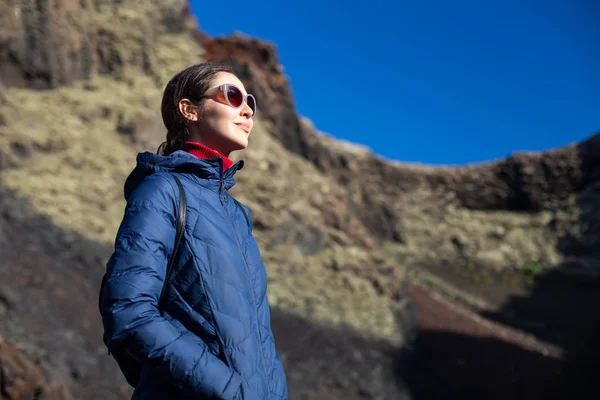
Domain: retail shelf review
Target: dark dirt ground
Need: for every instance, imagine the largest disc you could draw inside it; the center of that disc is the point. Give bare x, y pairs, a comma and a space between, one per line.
456, 354
537, 341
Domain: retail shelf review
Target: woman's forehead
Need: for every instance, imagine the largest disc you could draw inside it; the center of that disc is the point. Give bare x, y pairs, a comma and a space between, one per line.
226, 77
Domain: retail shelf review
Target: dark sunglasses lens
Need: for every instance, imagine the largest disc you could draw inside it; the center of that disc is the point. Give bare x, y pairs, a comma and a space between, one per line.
252, 104
235, 96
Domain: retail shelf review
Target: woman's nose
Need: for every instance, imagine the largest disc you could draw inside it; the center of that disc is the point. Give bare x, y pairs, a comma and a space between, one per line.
246, 110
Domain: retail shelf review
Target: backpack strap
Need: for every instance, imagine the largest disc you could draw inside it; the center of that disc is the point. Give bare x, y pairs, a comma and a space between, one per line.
181, 221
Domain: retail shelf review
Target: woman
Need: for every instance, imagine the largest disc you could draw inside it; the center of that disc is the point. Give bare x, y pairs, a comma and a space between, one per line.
211, 336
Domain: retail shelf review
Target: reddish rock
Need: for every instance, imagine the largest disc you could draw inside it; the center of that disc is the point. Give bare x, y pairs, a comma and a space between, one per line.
22, 379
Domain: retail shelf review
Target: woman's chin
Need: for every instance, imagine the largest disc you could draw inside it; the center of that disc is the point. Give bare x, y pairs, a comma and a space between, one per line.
243, 143
239, 144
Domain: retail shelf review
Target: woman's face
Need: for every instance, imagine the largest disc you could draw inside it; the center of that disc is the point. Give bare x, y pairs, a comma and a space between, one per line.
218, 125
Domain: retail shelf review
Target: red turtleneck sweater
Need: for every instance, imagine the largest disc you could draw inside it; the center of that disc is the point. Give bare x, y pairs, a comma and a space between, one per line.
201, 151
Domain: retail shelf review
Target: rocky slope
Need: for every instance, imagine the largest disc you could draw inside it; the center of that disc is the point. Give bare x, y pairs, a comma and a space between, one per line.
22, 378
81, 85
495, 220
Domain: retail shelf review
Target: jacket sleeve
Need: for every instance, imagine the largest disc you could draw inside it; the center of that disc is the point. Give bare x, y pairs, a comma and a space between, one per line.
135, 277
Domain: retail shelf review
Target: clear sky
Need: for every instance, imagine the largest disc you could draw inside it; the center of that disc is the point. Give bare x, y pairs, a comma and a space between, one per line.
434, 82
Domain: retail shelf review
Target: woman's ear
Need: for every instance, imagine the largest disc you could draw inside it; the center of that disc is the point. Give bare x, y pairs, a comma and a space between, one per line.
188, 110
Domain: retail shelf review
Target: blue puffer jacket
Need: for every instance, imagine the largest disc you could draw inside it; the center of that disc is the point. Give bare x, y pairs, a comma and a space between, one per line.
212, 337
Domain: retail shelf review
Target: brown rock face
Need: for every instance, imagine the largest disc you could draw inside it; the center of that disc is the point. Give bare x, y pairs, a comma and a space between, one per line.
47, 44
521, 182
257, 63
22, 379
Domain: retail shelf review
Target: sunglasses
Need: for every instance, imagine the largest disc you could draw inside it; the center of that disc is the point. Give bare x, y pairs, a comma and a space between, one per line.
233, 96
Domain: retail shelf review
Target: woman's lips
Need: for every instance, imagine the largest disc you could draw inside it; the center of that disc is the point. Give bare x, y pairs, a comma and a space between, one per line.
244, 127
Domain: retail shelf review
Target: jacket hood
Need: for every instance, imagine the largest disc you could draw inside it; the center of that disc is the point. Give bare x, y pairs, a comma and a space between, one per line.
209, 169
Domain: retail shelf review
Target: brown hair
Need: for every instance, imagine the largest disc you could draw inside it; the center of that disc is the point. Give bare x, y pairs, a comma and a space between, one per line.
191, 83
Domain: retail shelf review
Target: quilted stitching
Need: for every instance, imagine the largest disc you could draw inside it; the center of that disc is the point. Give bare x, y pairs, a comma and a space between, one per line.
226, 293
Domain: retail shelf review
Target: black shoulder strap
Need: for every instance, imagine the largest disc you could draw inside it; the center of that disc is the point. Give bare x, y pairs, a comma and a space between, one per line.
181, 220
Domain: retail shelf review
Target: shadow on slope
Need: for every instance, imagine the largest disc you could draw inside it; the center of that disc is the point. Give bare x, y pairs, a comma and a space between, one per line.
48, 296
563, 310
562, 306
49, 281
447, 366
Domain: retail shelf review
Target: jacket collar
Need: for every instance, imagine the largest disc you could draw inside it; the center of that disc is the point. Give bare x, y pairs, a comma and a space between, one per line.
206, 172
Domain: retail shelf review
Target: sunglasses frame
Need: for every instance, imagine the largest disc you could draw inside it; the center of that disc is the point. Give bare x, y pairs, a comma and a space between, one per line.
223, 89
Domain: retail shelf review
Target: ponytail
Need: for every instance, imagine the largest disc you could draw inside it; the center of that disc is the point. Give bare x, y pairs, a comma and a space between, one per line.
175, 140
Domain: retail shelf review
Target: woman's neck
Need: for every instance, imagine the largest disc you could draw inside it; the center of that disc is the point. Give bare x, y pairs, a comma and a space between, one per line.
203, 152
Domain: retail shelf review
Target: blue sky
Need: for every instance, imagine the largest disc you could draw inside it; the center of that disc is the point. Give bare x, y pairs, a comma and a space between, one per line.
434, 82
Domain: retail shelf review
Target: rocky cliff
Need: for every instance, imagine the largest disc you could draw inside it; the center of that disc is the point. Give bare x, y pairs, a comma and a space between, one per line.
500, 215
81, 85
